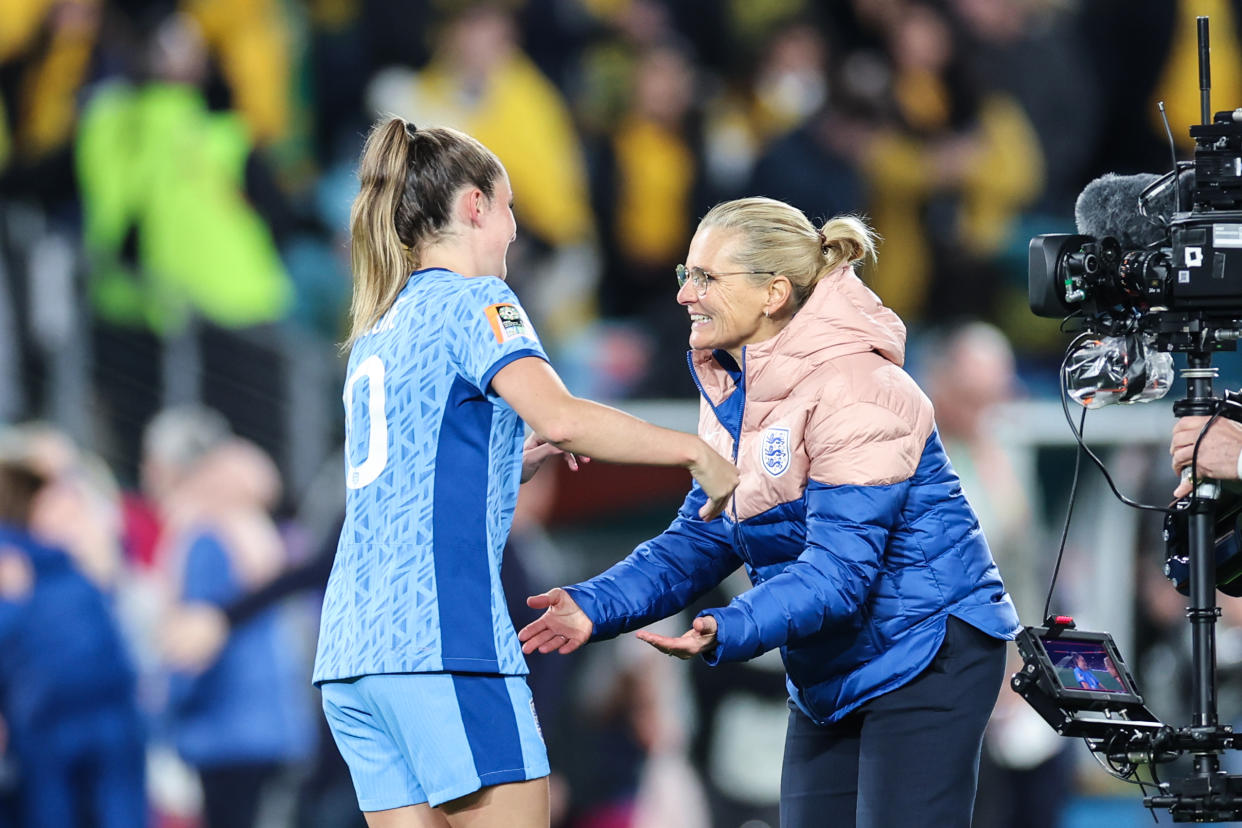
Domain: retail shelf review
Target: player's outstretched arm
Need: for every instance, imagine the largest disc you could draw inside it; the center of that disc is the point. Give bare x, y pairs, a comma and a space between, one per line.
583, 427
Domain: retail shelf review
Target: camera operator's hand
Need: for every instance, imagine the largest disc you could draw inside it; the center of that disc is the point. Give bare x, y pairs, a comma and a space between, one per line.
1218, 453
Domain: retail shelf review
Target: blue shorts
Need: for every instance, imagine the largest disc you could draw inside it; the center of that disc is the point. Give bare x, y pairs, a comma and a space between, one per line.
433, 737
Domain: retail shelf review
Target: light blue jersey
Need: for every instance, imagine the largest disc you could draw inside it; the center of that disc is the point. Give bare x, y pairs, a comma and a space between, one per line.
433, 462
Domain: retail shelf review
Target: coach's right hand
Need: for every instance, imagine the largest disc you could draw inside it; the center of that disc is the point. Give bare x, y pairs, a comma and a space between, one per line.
563, 628
717, 477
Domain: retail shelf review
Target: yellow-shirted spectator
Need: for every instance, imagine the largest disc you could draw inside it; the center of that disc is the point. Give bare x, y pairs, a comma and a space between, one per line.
480, 81
22, 21
655, 188
252, 41
1178, 86
995, 169
55, 42
978, 158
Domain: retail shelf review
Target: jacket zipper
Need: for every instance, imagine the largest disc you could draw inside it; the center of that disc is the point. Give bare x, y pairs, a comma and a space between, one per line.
737, 447
737, 441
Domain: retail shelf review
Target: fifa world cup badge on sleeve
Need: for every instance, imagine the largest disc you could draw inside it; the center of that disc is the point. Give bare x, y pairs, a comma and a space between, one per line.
508, 322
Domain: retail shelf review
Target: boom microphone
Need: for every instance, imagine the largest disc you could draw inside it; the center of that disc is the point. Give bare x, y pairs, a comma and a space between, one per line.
1109, 206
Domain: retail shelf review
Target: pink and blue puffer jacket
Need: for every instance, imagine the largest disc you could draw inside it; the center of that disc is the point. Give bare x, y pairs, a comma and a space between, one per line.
849, 518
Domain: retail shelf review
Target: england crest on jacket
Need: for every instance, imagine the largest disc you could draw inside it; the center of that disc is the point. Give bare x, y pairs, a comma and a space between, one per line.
774, 452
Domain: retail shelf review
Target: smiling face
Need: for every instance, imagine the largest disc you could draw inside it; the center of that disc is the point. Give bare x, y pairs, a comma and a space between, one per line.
730, 315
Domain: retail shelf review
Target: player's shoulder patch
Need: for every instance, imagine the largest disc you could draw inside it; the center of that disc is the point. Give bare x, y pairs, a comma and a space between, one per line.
508, 321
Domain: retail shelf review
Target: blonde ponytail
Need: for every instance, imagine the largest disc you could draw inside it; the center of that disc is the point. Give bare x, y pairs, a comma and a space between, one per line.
846, 239
409, 179
381, 260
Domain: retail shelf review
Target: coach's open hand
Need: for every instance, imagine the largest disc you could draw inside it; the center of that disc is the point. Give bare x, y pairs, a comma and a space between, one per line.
700, 638
563, 628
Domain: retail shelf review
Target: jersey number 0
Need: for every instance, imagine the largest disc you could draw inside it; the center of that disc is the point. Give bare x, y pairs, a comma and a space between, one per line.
372, 370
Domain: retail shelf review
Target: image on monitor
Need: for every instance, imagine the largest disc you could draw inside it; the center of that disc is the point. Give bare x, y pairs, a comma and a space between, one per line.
1085, 665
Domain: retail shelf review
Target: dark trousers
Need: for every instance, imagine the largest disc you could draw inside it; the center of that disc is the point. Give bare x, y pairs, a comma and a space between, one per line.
909, 757
232, 793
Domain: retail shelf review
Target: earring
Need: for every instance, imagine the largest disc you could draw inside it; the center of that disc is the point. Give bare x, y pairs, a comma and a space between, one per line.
766, 315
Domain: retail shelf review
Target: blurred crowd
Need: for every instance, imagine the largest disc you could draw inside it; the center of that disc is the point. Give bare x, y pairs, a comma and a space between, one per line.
175, 179
194, 160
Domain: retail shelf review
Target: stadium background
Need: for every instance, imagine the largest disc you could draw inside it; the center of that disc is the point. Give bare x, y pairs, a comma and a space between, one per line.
175, 179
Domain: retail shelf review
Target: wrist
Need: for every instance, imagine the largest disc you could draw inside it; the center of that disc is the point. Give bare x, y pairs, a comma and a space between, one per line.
699, 455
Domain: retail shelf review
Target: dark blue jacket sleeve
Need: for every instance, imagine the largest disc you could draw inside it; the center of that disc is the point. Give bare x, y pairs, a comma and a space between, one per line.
847, 529
661, 576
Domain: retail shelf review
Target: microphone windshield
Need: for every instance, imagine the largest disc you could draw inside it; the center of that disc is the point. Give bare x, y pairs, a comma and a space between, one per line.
1109, 206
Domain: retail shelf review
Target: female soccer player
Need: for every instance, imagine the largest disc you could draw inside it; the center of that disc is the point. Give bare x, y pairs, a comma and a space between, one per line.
421, 670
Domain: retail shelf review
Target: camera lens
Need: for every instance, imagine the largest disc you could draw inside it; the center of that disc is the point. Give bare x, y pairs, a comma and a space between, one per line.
1082, 264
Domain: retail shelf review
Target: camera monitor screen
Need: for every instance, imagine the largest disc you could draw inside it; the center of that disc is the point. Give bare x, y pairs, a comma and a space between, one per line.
1078, 682
1081, 668
1085, 665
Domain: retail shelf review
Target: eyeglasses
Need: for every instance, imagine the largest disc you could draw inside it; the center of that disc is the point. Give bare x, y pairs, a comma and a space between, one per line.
701, 279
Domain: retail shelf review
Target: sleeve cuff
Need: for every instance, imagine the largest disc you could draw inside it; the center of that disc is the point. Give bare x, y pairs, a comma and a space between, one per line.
726, 649
512, 356
586, 602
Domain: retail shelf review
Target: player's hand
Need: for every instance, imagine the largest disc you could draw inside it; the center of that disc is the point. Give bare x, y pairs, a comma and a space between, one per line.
535, 452
717, 477
193, 635
563, 628
1218, 452
700, 638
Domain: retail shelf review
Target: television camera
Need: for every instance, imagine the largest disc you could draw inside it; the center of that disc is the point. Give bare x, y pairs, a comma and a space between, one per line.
1154, 269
